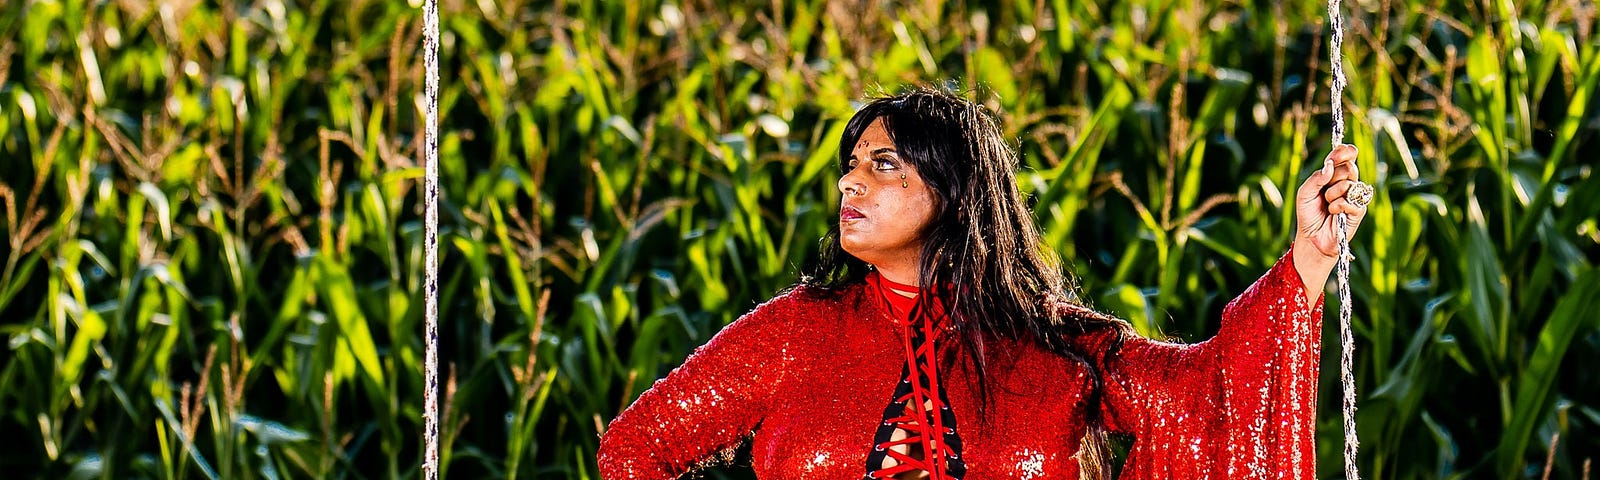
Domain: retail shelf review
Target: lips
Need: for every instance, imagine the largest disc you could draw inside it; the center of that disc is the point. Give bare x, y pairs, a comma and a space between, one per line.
849, 213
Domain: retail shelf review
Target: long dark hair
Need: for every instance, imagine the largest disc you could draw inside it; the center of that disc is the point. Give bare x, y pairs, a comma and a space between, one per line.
982, 247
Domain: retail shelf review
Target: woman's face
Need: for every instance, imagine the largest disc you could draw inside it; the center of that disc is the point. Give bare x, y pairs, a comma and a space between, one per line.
884, 205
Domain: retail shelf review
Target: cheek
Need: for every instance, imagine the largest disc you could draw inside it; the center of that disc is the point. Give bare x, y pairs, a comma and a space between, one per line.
919, 211
929, 208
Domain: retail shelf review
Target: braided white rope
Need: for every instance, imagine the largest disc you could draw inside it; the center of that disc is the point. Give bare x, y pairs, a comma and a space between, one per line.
430, 240
1346, 338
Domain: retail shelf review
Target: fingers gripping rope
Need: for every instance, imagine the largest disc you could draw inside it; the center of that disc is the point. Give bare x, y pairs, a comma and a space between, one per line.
1359, 195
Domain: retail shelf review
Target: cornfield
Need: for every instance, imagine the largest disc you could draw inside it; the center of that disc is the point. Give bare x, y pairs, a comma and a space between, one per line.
213, 238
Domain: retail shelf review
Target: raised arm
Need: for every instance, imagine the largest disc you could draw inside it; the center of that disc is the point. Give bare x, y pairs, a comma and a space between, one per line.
1239, 405
1242, 404
704, 407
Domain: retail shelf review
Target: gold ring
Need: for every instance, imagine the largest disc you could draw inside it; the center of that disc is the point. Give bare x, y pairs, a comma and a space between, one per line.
1359, 194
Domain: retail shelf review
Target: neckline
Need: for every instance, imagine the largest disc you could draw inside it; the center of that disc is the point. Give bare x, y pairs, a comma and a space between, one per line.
901, 287
899, 307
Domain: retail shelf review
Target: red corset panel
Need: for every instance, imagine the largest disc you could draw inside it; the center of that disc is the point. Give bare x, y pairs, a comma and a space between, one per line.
918, 436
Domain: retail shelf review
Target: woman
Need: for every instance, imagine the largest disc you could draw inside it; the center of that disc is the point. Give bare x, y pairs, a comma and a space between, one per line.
938, 339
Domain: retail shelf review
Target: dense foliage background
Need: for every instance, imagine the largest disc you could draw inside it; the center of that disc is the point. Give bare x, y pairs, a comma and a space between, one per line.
212, 240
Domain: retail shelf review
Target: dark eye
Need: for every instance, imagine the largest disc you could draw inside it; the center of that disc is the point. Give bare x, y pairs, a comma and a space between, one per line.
884, 163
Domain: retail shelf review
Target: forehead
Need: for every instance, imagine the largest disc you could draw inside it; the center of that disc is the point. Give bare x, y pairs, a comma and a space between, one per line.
875, 135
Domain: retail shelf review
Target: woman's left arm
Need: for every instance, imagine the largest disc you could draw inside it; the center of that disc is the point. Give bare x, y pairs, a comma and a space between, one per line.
1269, 345
1270, 341
1243, 403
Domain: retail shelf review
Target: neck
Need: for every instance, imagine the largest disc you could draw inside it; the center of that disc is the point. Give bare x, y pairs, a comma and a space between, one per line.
901, 282
904, 273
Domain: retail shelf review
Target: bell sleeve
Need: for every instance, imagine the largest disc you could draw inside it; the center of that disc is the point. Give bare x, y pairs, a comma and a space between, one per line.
706, 407
1239, 405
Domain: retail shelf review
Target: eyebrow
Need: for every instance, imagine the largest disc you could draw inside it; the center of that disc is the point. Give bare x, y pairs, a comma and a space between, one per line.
875, 152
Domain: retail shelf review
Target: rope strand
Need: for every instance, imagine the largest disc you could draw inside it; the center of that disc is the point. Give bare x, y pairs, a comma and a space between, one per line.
1346, 338
430, 241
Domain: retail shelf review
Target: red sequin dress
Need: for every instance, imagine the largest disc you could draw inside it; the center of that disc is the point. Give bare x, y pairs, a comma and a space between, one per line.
806, 377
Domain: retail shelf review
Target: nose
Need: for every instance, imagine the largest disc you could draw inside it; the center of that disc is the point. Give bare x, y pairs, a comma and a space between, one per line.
850, 184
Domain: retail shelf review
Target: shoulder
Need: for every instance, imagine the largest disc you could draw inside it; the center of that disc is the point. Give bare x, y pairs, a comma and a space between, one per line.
1069, 311
800, 305
802, 297
1089, 330
797, 319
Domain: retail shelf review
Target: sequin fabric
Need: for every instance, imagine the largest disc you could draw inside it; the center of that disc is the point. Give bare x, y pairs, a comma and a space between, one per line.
805, 377
1239, 405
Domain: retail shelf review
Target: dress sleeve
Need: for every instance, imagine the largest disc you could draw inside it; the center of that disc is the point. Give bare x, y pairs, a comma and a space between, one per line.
1239, 405
705, 407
